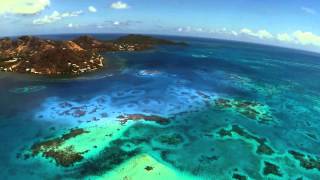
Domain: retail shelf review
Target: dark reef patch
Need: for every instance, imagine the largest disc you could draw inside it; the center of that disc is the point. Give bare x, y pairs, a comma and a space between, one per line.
52, 149
64, 157
148, 168
262, 147
252, 110
239, 176
110, 158
173, 139
306, 161
270, 168
136, 117
119, 150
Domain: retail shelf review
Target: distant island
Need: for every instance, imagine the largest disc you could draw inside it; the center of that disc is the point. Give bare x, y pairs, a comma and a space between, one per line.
29, 54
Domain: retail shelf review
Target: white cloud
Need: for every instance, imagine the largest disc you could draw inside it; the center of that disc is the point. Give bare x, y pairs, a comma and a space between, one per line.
73, 26
92, 9
285, 37
300, 38
111, 24
119, 5
121, 23
199, 29
222, 31
56, 16
306, 38
25, 7
309, 10
261, 34
234, 33
116, 23
99, 26
247, 31
180, 29
190, 29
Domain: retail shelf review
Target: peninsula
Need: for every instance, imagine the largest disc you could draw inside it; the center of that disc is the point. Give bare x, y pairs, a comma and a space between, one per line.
29, 54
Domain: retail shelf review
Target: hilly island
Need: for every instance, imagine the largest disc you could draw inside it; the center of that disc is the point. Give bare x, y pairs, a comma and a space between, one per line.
33, 55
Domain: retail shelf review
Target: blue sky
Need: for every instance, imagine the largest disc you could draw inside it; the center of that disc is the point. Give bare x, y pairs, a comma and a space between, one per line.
294, 23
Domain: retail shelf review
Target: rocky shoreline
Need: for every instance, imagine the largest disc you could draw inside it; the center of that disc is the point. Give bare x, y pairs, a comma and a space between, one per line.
29, 54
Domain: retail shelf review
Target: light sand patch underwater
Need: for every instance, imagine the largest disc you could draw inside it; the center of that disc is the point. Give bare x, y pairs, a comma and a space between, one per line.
145, 167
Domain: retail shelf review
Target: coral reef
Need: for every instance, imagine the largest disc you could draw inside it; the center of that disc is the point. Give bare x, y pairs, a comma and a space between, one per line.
148, 168
173, 139
108, 159
239, 176
136, 117
262, 147
52, 149
270, 168
306, 161
249, 109
64, 157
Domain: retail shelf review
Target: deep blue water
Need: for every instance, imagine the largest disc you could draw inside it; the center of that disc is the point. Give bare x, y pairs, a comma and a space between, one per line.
184, 86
